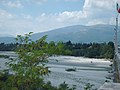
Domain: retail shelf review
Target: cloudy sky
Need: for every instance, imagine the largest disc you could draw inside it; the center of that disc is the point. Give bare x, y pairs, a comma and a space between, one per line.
23, 16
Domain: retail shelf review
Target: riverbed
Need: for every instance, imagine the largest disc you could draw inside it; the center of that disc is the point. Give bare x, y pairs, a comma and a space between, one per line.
87, 70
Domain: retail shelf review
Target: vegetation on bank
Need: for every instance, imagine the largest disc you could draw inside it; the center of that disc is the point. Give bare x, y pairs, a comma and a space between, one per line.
91, 50
8, 47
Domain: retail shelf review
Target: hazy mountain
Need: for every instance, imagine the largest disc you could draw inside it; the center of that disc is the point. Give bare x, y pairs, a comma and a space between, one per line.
7, 39
6, 35
76, 33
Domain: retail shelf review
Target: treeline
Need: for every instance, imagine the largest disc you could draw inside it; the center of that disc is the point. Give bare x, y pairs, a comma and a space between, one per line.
91, 50
8, 47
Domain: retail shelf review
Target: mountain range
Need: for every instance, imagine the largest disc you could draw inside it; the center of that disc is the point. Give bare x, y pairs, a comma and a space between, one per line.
76, 33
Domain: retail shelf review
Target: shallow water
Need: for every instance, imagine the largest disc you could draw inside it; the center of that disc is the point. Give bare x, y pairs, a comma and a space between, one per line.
86, 72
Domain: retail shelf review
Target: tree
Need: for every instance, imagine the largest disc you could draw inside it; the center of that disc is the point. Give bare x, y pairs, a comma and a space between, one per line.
30, 66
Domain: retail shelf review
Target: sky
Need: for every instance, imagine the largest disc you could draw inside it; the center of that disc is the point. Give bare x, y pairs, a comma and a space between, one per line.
24, 16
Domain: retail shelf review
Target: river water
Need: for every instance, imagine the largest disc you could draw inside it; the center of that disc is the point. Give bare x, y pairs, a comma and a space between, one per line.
88, 70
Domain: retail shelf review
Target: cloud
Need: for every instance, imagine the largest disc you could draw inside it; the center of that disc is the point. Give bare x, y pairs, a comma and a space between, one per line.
94, 12
16, 4
19, 3
14, 24
25, 16
20, 24
58, 20
71, 0
99, 10
99, 4
38, 1
5, 15
96, 21
70, 16
13, 4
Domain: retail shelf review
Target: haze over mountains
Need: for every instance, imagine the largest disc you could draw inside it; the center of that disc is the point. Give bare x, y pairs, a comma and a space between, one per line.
76, 33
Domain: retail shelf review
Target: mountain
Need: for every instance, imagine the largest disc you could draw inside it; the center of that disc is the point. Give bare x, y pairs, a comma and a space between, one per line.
7, 39
79, 33
76, 33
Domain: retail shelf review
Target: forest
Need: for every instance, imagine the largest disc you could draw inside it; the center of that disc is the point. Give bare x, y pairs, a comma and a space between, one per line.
90, 50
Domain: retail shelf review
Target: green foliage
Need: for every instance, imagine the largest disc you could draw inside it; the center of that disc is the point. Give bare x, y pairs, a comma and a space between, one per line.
62, 86
7, 47
29, 67
91, 50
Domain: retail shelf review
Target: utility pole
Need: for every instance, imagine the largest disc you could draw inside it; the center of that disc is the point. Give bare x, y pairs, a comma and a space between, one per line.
116, 30
116, 60
116, 36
